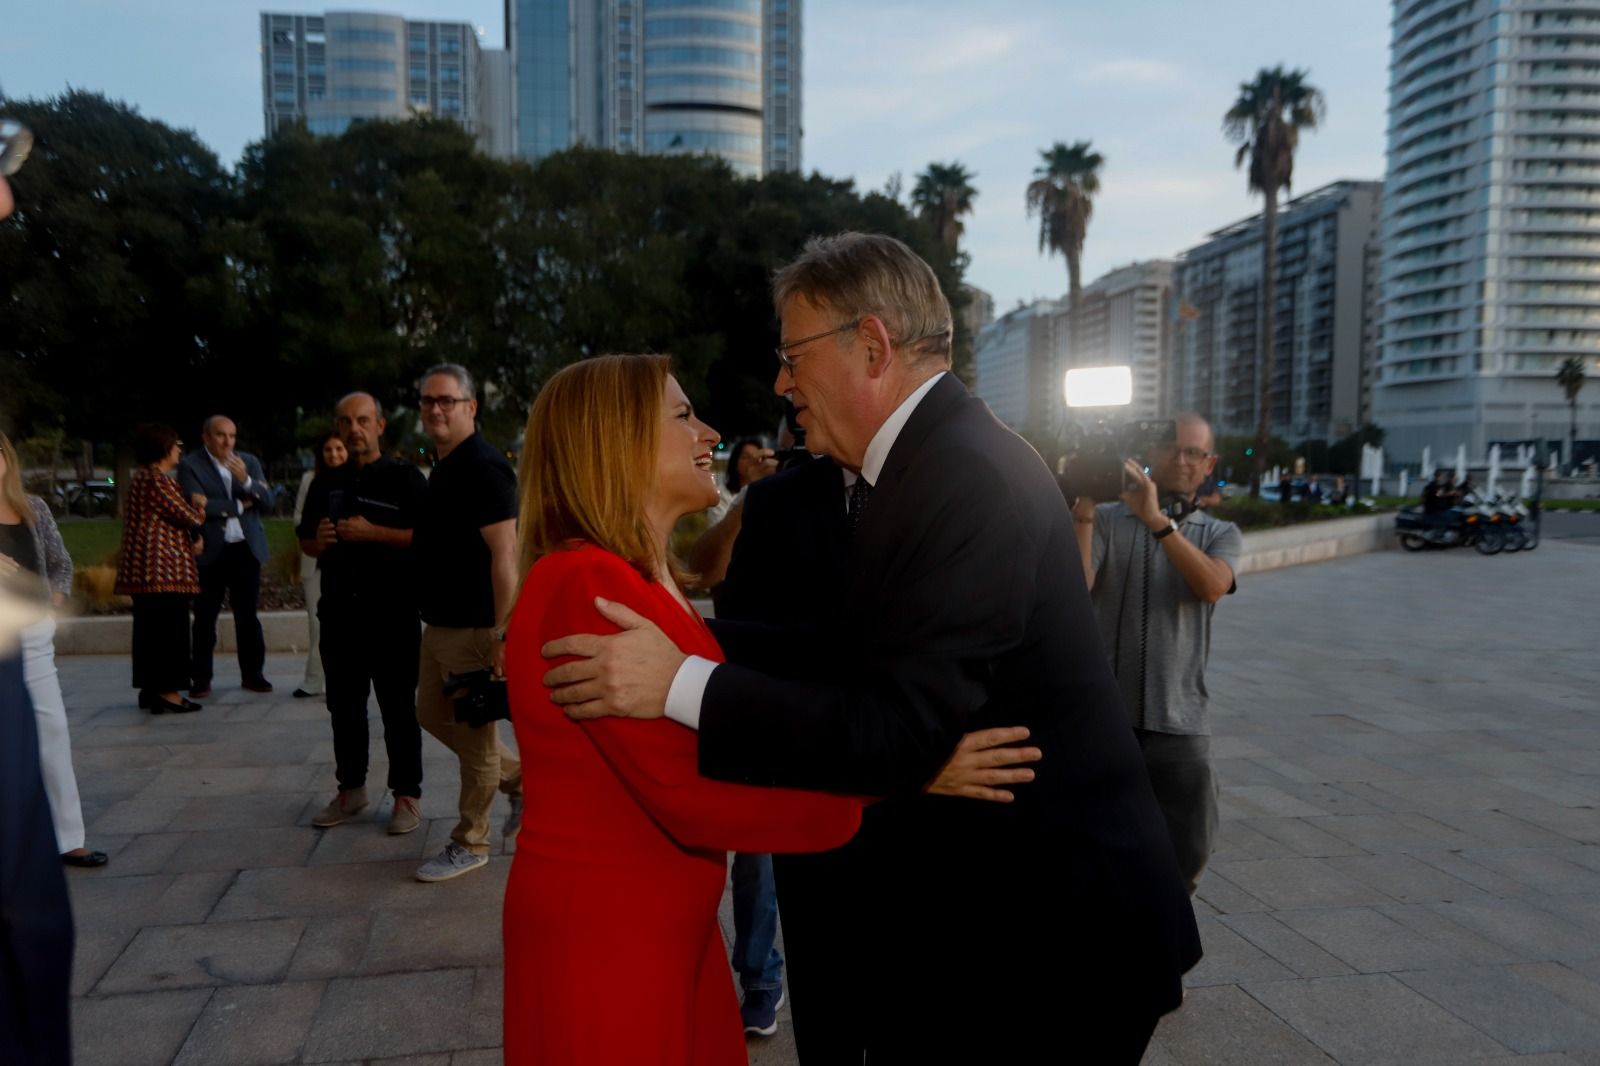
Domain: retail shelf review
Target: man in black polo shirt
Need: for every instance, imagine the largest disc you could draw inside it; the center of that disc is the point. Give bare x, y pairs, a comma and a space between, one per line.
467, 555
357, 523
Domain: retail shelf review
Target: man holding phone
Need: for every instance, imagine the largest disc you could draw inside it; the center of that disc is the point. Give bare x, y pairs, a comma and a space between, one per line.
357, 522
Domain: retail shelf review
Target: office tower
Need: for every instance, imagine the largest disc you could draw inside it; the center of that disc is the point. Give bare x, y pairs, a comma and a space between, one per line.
1015, 365
1125, 323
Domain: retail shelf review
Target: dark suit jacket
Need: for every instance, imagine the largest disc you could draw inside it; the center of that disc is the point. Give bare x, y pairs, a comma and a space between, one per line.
965, 608
197, 473
35, 918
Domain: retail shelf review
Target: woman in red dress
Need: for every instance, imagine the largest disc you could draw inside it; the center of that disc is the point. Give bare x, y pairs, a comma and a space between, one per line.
613, 953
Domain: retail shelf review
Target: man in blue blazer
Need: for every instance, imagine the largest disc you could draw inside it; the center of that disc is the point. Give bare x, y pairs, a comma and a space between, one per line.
236, 492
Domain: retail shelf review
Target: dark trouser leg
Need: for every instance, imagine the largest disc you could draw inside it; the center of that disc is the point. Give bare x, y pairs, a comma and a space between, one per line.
207, 605
244, 589
160, 642
395, 649
1186, 789
346, 666
826, 938
755, 923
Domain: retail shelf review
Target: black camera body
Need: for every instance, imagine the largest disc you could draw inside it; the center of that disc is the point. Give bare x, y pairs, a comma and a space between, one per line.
478, 697
1094, 455
797, 455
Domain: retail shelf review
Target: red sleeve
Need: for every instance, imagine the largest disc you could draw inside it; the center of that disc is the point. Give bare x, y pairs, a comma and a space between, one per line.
171, 505
657, 759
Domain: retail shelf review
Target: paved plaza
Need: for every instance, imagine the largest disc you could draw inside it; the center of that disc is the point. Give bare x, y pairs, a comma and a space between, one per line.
1409, 749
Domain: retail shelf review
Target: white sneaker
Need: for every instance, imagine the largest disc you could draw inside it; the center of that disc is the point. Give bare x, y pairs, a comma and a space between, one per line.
453, 861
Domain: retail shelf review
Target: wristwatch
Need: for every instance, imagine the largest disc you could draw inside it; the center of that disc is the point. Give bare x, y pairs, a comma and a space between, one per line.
1172, 527
499, 635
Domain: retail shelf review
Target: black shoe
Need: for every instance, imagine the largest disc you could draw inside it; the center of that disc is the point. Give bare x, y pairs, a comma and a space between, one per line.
302, 694
259, 684
157, 705
200, 690
89, 861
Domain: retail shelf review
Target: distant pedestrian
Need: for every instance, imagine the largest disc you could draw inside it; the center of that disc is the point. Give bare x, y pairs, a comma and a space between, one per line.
156, 567
330, 454
357, 521
235, 547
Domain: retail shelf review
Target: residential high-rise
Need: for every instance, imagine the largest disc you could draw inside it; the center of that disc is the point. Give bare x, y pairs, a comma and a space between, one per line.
343, 67
666, 76
1015, 365
1491, 227
1125, 323
1323, 319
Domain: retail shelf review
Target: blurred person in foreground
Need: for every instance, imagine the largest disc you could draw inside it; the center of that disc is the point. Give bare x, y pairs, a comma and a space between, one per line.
34, 560
36, 937
330, 455
963, 608
156, 567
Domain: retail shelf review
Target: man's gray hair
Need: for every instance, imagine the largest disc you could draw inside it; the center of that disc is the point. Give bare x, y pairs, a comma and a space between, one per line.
377, 405
462, 375
857, 274
1196, 416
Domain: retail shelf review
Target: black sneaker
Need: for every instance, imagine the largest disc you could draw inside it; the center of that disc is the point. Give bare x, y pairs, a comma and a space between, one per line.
759, 1011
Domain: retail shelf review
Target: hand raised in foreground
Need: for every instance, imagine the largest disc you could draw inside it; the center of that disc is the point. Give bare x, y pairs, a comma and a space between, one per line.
983, 761
623, 675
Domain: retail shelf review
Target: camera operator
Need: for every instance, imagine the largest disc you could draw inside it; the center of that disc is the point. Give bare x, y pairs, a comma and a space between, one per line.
1156, 565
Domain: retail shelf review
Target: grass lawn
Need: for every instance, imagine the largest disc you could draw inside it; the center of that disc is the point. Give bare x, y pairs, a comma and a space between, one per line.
92, 541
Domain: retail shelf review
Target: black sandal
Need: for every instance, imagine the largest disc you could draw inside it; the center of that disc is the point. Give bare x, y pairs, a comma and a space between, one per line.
89, 861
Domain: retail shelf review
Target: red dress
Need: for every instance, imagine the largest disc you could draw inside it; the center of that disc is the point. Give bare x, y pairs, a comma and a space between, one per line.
613, 954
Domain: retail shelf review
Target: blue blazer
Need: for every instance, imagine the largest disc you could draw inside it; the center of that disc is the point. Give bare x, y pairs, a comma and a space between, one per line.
197, 473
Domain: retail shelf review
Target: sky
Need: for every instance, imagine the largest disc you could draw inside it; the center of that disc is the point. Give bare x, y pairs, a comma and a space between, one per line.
888, 86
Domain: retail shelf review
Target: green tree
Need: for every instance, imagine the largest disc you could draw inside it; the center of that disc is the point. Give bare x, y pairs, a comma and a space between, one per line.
942, 195
1265, 121
1344, 455
1570, 377
1062, 193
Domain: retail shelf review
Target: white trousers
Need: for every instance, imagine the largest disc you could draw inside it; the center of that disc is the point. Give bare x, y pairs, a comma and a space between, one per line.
55, 746
314, 682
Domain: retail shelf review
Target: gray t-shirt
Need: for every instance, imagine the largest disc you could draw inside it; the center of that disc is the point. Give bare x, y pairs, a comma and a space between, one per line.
1156, 630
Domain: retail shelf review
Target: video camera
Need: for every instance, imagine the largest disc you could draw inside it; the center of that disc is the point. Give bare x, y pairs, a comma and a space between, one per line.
796, 455
1093, 455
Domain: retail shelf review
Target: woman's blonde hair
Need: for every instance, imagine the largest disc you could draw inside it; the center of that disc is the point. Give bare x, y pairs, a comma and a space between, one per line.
589, 460
11, 484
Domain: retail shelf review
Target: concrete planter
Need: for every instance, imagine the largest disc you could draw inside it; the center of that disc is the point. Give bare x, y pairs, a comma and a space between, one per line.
1315, 542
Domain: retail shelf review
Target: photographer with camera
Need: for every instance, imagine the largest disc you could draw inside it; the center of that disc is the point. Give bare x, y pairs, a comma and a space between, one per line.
357, 522
1156, 566
466, 549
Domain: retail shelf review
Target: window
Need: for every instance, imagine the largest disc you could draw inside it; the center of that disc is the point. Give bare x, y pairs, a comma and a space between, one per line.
419, 99
364, 36
701, 140
680, 55
751, 6
373, 66
283, 38
701, 81
624, 24
450, 46
625, 79
335, 126
283, 98
316, 94
316, 37
780, 86
316, 68
283, 66
450, 104
450, 74
625, 53
419, 73
362, 92
417, 44
726, 29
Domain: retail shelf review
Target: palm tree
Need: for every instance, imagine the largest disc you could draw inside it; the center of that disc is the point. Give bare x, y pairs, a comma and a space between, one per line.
1266, 122
942, 194
1062, 192
1570, 377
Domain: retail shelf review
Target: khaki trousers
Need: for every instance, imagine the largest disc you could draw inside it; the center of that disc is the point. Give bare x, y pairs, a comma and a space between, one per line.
487, 765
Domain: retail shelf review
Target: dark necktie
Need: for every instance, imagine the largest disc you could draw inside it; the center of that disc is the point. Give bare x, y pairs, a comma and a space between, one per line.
860, 492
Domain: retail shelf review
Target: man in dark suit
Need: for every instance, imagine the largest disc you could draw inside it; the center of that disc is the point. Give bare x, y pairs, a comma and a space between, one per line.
1052, 928
236, 492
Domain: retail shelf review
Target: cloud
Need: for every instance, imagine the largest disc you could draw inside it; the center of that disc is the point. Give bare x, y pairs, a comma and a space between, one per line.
1131, 72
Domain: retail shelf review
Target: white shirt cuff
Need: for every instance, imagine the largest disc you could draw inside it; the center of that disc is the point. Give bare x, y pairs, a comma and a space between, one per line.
688, 689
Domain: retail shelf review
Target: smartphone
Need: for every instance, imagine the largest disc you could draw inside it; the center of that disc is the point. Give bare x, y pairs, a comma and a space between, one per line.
15, 144
336, 505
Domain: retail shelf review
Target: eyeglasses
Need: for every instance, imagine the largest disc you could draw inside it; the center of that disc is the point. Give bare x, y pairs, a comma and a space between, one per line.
788, 360
443, 403
1191, 453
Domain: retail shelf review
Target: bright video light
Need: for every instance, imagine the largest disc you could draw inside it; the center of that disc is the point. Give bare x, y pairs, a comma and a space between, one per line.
1099, 386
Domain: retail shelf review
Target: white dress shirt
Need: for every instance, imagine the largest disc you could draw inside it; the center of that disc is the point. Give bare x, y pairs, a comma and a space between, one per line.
689, 683
232, 531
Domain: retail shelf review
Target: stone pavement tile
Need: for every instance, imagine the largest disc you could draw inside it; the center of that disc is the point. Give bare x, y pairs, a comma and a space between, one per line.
1451, 794
1237, 839
488, 1006
252, 1025
169, 732
493, 1057
1494, 883
1229, 958
1225, 897
1406, 878
138, 1030
1464, 943
244, 812
1304, 839
1379, 743
1582, 911
93, 953
342, 888
1334, 769
108, 786
147, 853
1285, 884
1270, 801
1518, 1013
331, 947
134, 815
1368, 940
1270, 934
372, 1017
1565, 981
208, 781
1570, 790
212, 953
157, 899
232, 849
1381, 833
1374, 1020
1495, 829
1530, 933
1225, 747
358, 842
1238, 773
1224, 1026
92, 761
436, 937
1581, 824
1549, 871
274, 748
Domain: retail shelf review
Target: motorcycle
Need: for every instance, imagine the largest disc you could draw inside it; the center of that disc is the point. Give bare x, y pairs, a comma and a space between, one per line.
1470, 524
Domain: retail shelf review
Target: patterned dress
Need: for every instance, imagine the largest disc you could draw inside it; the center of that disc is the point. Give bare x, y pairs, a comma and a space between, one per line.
156, 527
